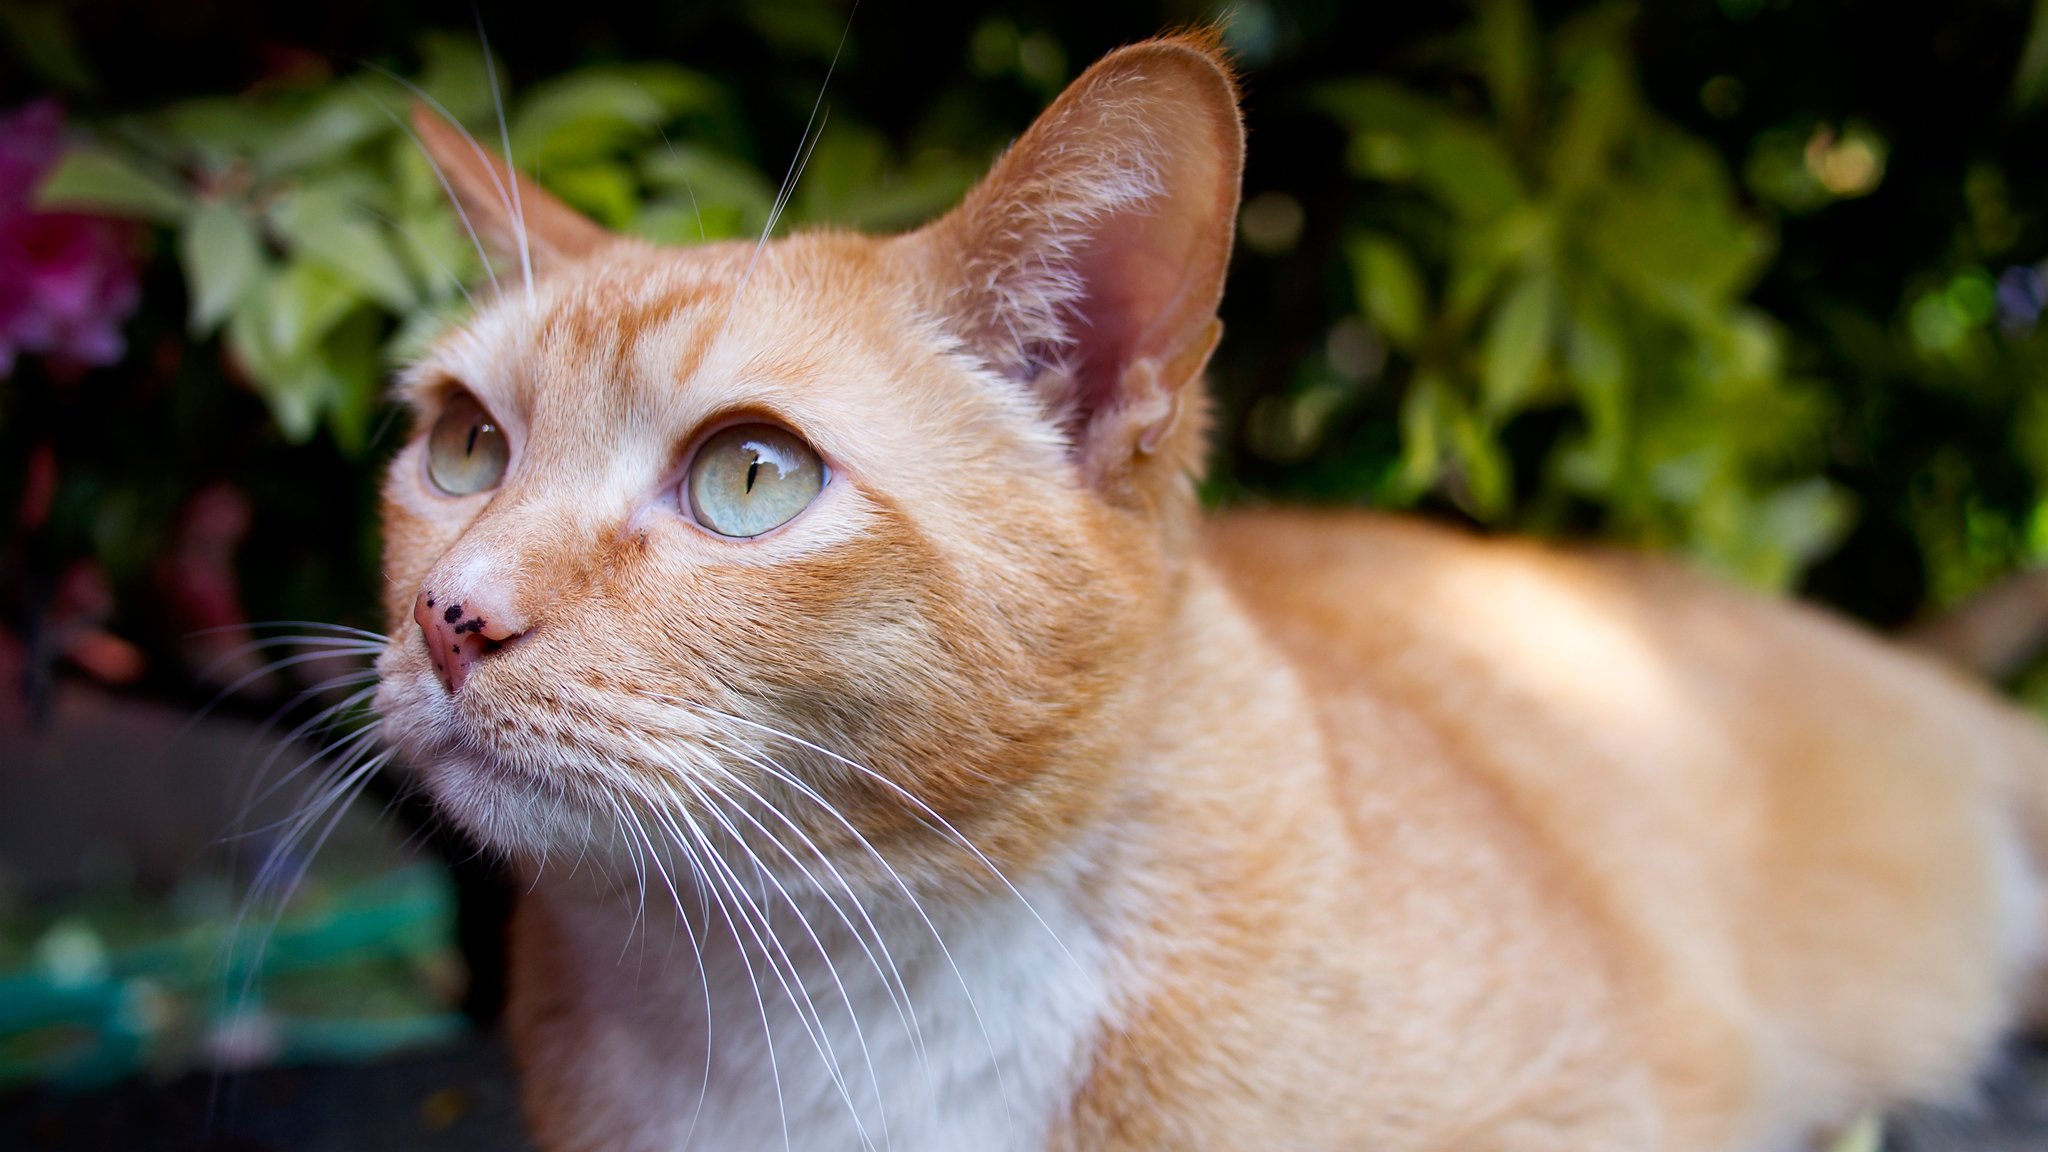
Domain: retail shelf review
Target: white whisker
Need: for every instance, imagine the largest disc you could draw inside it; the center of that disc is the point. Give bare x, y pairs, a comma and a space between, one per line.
709, 794
441, 177
511, 170
885, 967
807, 1013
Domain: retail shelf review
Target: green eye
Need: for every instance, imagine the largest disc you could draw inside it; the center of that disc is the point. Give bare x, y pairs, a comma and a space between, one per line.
750, 478
466, 452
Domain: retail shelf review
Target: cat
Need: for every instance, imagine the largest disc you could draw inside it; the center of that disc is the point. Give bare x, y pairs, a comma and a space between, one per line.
895, 756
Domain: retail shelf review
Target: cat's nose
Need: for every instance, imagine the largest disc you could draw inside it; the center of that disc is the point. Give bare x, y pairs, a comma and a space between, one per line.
461, 630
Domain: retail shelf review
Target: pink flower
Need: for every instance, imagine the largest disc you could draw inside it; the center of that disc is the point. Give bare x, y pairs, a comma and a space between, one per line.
67, 280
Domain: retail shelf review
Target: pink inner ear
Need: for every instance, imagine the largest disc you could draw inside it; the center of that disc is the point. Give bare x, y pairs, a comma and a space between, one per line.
1136, 272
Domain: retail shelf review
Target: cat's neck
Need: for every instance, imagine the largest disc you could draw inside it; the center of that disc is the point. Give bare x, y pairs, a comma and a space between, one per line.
980, 1008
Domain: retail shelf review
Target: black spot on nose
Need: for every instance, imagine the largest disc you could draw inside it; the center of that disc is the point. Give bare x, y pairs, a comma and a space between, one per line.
453, 613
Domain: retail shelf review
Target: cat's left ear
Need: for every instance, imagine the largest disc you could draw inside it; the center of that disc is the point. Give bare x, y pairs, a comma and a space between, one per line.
1088, 264
514, 217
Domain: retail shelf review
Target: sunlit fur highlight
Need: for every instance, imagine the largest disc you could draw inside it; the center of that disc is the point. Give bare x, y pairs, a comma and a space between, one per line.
997, 800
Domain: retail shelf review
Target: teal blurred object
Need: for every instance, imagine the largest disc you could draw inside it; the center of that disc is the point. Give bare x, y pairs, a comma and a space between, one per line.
337, 979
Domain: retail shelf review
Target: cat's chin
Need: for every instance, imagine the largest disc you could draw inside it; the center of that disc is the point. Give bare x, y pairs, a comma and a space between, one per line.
508, 809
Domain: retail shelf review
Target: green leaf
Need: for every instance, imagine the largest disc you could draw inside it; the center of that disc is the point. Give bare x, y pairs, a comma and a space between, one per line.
1390, 288
1507, 48
223, 260
902, 198
295, 311
604, 192
220, 130
593, 114
1596, 111
349, 360
91, 179
277, 338
710, 180
798, 27
1670, 229
2030, 79
1516, 345
440, 254
420, 328
1424, 431
674, 220
335, 125
1483, 466
1799, 523
844, 164
1597, 362
42, 41
325, 224
1399, 136
455, 77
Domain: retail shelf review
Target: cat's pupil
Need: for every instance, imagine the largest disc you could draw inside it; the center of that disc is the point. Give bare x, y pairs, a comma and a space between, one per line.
753, 470
475, 430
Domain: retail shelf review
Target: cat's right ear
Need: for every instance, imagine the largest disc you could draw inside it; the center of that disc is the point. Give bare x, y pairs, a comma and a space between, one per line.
514, 217
1087, 265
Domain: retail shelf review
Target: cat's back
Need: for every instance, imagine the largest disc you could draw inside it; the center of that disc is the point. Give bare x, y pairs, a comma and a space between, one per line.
1592, 638
1747, 797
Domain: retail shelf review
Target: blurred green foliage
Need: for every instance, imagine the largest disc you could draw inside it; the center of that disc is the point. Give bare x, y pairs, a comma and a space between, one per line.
1752, 280
1565, 246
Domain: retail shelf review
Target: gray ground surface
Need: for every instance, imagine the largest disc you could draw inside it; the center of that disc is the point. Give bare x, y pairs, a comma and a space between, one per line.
459, 1100
463, 1099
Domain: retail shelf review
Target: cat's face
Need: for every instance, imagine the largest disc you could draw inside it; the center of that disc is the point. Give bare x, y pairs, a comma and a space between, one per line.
877, 532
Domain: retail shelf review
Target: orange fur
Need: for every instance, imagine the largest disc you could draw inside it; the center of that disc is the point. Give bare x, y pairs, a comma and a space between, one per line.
1358, 833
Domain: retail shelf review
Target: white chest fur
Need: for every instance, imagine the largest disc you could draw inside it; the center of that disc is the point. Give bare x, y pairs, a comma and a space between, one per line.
892, 1029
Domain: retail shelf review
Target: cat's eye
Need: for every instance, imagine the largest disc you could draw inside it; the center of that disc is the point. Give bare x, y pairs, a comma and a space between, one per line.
750, 478
466, 451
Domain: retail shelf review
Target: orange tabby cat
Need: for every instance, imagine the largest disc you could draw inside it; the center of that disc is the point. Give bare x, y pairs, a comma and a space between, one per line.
898, 759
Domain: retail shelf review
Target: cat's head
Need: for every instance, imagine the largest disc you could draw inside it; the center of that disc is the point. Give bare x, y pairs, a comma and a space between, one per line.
890, 525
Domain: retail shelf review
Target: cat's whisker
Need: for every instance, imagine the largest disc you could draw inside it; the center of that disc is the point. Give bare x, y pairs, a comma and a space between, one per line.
272, 885
348, 630
364, 676
899, 990
710, 794
789, 778
440, 176
715, 890
793, 986
804, 146
254, 792
278, 665
344, 752
758, 925
639, 875
505, 138
620, 815
928, 813
909, 894
426, 253
688, 185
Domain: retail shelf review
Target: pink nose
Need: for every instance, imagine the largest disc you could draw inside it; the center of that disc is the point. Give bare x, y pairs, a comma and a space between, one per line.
461, 632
